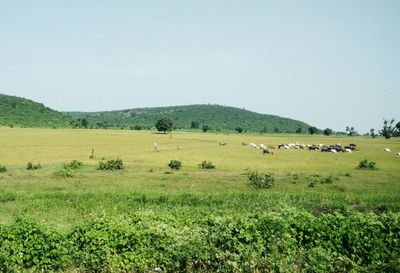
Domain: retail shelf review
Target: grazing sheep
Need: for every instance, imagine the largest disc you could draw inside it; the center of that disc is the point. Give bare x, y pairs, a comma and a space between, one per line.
333, 151
349, 151
262, 146
398, 154
387, 150
155, 146
254, 146
272, 147
244, 144
267, 151
221, 143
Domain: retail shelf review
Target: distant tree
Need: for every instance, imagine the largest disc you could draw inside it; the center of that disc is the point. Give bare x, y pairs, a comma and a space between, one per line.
84, 123
239, 129
276, 130
328, 131
164, 124
299, 130
206, 128
372, 133
264, 130
388, 129
194, 125
351, 131
79, 123
137, 127
312, 130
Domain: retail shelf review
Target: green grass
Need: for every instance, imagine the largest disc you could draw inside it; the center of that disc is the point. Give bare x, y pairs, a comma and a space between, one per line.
216, 203
40, 193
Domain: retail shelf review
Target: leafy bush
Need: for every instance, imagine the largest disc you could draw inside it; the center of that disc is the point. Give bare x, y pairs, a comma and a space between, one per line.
30, 166
366, 165
111, 165
74, 165
260, 180
25, 244
175, 165
206, 165
3, 169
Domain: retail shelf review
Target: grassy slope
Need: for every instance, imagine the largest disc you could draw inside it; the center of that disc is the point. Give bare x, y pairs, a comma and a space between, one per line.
144, 185
216, 116
23, 112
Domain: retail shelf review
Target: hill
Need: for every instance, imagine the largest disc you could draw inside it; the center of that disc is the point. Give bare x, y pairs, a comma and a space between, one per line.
218, 117
16, 111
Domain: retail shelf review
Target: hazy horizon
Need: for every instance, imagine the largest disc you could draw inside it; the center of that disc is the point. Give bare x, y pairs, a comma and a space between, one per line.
328, 63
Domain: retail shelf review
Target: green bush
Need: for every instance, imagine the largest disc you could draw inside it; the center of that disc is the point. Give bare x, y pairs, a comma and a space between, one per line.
3, 169
30, 166
287, 240
366, 165
111, 165
175, 165
206, 165
260, 180
74, 165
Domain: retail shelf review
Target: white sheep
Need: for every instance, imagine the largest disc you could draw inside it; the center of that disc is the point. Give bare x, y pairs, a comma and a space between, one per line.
387, 150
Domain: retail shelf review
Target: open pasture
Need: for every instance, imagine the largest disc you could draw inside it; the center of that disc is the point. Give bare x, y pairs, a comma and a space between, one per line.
44, 195
321, 215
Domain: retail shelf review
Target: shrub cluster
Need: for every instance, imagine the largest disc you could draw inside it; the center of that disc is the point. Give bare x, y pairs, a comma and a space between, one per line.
175, 165
260, 180
30, 166
279, 241
366, 165
206, 165
111, 165
3, 169
73, 165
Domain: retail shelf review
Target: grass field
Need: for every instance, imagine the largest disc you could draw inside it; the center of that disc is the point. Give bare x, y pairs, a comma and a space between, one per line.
147, 185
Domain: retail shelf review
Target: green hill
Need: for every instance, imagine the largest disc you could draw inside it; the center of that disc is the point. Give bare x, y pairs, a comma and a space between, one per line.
216, 116
15, 111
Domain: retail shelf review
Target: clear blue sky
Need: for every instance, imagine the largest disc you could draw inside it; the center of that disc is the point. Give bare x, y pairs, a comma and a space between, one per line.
329, 63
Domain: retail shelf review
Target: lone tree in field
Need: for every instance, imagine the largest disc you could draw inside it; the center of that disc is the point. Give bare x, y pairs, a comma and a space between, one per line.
239, 129
312, 130
206, 128
328, 131
388, 129
164, 124
351, 131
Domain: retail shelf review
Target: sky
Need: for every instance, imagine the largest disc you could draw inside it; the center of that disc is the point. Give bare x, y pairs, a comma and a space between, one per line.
331, 63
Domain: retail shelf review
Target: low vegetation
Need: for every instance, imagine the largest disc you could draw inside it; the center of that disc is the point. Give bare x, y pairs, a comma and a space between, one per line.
206, 165
3, 168
366, 165
175, 165
111, 165
30, 166
260, 180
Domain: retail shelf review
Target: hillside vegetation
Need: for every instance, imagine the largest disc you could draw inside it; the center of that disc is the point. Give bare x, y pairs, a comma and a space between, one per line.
15, 111
217, 117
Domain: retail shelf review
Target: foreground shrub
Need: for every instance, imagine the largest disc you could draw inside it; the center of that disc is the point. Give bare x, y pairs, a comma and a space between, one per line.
25, 244
366, 165
260, 180
206, 165
287, 240
3, 169
175, 165
30, 166
111, 165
